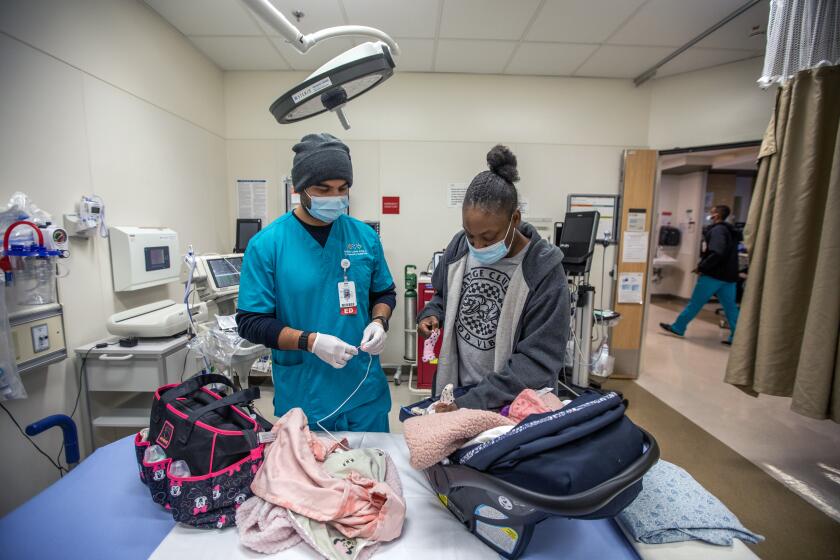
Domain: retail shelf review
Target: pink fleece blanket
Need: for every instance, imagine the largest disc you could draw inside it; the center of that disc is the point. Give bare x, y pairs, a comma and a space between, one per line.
432, 437
293, 477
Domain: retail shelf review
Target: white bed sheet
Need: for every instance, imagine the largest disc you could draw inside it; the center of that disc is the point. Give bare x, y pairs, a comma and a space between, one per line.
430, 531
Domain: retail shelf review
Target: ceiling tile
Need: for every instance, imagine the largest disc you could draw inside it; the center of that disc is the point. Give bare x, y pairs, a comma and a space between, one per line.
397, 18
416, 55
672, 23
696, 59
548, 59
473, 57
317, 55
622, 62
736, 33
206, 17
486, 19
580, 21
240, 53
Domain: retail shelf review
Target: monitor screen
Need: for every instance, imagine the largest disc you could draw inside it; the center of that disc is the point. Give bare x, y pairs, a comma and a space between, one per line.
578, 229
578, 236
225, 271
245, 230
157, 258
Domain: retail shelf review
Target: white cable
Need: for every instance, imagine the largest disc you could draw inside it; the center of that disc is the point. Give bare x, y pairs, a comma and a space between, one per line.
356, 390
103, 229
191, 262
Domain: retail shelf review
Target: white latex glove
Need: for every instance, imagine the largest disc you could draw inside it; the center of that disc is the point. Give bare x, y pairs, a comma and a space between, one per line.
333, 350
373, 339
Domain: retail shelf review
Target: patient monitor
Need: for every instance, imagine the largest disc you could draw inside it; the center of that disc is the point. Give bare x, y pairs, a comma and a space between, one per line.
216, 279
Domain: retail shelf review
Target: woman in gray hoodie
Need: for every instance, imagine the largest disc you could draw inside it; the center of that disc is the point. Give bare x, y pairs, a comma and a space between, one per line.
501, 297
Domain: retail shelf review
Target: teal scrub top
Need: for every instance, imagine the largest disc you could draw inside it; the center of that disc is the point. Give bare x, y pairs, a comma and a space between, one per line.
288, 274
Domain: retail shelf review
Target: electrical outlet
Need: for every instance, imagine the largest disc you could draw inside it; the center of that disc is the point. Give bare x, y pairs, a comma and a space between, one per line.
40, 338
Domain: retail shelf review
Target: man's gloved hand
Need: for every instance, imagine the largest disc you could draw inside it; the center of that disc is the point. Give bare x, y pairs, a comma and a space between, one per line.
333, 350
373, 339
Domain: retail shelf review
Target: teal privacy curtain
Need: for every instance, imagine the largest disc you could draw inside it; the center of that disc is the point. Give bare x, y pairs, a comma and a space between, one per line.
786, 343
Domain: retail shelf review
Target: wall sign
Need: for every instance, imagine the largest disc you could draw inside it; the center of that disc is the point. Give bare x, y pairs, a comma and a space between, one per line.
636, 219
390, 205
630, 287
455, 193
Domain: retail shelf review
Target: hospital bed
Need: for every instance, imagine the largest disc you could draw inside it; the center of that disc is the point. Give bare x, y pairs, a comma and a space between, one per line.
101, 510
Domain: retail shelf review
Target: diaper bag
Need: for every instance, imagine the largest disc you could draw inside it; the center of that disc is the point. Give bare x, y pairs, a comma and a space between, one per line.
219, 437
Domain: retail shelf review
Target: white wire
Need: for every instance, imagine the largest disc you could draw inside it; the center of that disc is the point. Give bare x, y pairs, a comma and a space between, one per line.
191, 261
356, 390
103, 228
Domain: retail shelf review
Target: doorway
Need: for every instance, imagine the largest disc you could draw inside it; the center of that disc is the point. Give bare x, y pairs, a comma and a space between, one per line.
686, 373
691, 184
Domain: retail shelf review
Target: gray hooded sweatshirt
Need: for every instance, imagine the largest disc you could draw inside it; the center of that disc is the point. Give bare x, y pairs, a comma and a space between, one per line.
533, 326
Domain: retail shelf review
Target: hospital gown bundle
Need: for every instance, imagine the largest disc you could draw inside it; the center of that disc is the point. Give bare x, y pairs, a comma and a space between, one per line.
673, 507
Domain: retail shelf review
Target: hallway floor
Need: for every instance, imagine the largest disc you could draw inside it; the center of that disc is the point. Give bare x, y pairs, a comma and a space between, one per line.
687, 374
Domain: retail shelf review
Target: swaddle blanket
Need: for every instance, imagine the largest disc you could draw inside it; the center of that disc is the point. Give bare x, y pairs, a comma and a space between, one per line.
673, 507
433, 437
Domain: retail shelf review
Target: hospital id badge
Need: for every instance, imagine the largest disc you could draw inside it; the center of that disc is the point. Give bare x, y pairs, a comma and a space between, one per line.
347, 298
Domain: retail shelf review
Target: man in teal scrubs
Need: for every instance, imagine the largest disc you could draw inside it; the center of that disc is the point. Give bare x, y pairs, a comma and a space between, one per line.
316, 289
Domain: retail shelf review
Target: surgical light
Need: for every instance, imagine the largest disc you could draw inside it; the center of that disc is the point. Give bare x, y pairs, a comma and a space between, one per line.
337, 82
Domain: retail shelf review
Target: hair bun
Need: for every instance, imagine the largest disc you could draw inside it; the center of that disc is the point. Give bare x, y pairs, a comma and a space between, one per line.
502, 162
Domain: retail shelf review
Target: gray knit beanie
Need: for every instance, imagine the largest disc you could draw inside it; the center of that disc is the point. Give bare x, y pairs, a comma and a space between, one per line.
318, 158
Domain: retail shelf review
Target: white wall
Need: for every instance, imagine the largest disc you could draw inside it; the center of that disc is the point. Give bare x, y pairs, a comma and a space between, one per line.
678, 193
420, 132
102, 96
715, 106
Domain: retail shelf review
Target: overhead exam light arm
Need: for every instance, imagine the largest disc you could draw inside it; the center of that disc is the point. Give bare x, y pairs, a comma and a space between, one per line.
337, 82
273, 17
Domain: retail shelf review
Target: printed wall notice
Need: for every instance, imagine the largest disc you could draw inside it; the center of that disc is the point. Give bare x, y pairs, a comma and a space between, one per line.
455, 194
634, 247
636, 219
630, 287
252, 199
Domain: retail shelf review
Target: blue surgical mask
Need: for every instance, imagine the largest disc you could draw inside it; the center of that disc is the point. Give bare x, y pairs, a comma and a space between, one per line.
492, 253
328, 208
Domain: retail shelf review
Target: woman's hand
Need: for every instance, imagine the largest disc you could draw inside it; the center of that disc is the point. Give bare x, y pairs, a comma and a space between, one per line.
427, 325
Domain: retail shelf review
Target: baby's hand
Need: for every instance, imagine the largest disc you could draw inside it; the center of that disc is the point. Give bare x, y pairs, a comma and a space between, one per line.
444, 407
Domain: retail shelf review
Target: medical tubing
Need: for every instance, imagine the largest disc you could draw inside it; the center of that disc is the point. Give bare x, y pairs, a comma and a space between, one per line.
21, 223
190, 260
103, 228
356, 390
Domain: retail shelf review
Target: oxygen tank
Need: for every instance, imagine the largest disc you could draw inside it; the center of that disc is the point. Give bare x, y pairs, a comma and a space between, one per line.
410, 313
